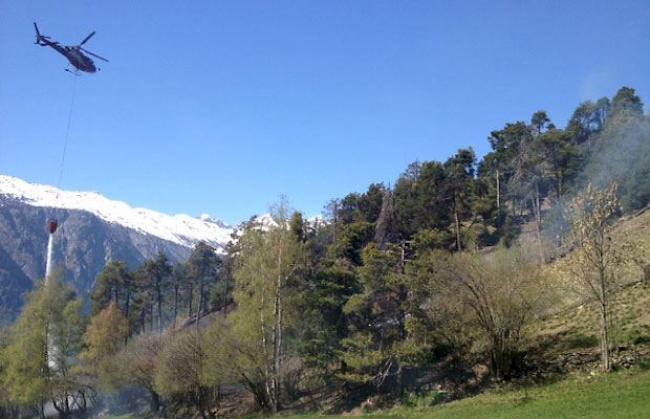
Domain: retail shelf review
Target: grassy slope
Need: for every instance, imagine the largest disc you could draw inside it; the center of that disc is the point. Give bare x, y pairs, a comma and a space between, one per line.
619, 395
577, 326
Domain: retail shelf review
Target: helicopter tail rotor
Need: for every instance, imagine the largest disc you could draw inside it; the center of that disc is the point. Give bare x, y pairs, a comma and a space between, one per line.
40, 39
38, 34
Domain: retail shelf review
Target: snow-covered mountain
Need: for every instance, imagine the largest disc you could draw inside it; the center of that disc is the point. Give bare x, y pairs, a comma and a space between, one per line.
265, 222
180, 229
92, 231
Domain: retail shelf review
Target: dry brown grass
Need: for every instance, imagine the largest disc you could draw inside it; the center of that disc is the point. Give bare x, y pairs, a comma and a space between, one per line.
573, 319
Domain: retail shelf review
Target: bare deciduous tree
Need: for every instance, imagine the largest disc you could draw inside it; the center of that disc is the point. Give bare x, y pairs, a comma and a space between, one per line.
597, 257
496, 296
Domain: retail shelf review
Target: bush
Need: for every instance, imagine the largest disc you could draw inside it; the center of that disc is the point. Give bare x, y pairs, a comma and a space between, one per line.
636, 337
580, 341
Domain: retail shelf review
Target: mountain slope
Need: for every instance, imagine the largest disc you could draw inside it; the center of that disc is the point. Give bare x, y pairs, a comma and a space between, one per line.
181, 229
93, 230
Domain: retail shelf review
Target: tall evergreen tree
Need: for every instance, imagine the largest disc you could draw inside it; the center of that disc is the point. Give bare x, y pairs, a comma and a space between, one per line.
112, 284
203, 266
372, 351
157, 272
460, 188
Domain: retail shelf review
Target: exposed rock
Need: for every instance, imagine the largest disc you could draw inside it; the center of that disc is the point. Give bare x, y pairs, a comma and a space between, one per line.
82, 246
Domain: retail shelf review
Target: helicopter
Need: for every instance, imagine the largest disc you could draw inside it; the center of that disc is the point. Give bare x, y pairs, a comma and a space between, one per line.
74, 53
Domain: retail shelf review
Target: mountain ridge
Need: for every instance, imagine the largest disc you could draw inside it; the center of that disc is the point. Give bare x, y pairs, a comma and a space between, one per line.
93, 230
180, 228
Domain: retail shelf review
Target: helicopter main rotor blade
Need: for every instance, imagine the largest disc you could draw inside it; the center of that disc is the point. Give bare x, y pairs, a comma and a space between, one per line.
93, 54
87, 38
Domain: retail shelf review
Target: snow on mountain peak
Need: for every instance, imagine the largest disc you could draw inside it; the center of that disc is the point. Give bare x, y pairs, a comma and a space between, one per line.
181, 229
207, 218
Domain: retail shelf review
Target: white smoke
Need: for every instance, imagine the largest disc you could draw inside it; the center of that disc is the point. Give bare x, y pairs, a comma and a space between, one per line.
48, 262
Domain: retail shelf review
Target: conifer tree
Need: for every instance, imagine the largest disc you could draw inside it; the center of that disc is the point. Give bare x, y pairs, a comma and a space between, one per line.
372, 353
203, 266
157, 272
113, 284
460, 188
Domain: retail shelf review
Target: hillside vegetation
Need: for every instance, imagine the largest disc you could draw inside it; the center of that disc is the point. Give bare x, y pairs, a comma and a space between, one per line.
568, 340
572, 325
621, 395
570, 337
466, 276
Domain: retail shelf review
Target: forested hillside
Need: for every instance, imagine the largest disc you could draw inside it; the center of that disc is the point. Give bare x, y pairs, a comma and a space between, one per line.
439, 282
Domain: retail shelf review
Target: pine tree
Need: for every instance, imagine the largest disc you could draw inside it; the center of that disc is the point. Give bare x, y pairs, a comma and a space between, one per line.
113, 284
203, 266
460, 188
157, 273
372, 351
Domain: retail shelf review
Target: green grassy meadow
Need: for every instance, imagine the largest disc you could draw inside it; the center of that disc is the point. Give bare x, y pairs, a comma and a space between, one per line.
617, 395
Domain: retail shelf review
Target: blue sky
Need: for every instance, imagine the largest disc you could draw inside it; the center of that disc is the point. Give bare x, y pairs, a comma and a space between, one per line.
221, 107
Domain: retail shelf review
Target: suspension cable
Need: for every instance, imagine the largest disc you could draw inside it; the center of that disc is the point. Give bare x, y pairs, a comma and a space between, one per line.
67, 133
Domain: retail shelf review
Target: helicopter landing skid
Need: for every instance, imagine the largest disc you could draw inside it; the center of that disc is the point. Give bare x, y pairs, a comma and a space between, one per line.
74, 72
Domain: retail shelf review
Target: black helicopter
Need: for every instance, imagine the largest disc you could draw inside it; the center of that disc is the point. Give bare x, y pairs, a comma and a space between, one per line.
74, 54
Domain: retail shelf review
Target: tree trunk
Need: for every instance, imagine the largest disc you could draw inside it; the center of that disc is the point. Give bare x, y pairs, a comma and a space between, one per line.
217, 399
58, 409
537, 207
498, 191
143, 318
265, 350
151, 304
224, 280
126, 314
457, 223
160, 320
604, 338
604, 307
198, 310
201, 297
175, 304
84, 405
336, 219
400, 378
128, 302
191, 297
277, 334
66, 403
258, 390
